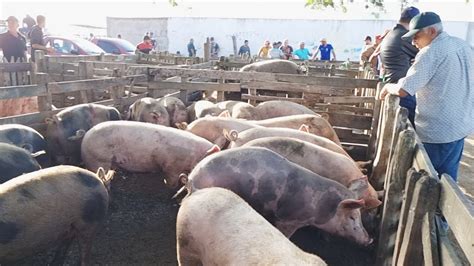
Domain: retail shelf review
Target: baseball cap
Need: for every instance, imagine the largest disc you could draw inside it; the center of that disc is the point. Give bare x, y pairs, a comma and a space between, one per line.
409, 12
421, 21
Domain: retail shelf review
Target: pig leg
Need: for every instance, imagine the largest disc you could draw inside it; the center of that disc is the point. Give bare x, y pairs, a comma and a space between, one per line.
85, 244
61, 252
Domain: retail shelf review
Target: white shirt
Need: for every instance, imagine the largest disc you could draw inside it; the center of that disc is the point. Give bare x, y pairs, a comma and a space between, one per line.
442, 77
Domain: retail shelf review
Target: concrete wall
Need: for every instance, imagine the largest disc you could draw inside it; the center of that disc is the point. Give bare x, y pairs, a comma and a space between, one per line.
345, 35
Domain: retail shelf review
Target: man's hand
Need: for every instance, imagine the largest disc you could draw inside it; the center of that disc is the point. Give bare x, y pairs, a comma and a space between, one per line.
383, 93
394, 89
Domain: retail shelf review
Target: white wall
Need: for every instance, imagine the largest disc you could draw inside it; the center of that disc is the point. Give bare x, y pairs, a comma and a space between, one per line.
133, 29
345, 35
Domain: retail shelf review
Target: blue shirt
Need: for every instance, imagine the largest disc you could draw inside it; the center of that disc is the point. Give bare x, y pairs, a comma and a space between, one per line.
325, 51
302, 53
443, 79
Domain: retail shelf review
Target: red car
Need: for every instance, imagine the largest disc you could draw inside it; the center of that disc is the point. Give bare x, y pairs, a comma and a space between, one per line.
72, 46
115, 45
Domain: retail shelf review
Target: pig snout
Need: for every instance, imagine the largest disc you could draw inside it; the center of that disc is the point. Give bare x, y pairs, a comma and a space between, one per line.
355, 231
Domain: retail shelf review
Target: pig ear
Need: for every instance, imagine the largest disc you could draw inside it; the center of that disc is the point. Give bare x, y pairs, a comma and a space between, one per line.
325, 116
231, 135
183, 178
359, 186
101, 173
304, 128
49, 121
28, 147
155, 116
351, 204
79, 135
182, 125
224, 114
212, 150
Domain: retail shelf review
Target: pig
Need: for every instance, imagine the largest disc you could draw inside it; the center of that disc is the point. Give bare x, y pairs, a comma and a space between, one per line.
176, 110
273, 66
15, 161
144, 147
212, 128
287, 194
321, 161
216, 227
58, 205
272, 109
149, 110
236, 108
202, 108
67, 128
316, 125
27, 138
239, 139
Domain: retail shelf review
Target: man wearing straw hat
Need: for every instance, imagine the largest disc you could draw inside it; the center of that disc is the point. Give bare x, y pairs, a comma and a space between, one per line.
442, 77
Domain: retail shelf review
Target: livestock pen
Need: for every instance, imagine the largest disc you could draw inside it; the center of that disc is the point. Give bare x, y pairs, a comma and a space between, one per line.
370, 129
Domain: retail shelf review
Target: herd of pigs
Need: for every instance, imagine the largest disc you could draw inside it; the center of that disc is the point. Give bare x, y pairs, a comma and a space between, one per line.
253, 176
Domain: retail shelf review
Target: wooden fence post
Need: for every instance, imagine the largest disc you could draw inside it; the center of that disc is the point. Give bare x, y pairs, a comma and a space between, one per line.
425, 201
412, 177
40, 62
44, 102
376, 124
400, 124
234, 44
207, 50
385, 140
401, 162
86, 71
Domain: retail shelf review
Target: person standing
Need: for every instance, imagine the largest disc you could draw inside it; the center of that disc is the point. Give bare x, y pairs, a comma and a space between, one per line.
275, 52
287, 50
366, 55
442, 77
191, 48
397, 55
326, 50
13, 43
36, 37
302, 53
119, 36
215, 49
263, 52
244, 49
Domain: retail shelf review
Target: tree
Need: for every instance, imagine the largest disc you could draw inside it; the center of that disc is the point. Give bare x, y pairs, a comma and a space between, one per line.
377, 4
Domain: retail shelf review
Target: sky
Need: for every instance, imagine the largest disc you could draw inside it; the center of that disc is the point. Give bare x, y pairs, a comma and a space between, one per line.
62, 14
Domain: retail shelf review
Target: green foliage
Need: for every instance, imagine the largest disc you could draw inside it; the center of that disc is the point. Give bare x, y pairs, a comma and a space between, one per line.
173, 2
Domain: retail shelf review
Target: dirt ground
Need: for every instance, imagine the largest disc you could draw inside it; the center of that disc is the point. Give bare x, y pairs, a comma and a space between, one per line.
140, 230
466, 169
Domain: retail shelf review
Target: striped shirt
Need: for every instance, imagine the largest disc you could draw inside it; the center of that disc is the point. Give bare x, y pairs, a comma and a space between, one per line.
442, 77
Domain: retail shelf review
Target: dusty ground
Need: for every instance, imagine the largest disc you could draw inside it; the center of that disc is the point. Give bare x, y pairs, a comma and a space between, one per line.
466, 170
140, 230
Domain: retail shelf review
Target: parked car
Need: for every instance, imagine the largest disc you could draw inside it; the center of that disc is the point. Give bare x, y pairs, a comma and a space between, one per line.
72, 46
115, 45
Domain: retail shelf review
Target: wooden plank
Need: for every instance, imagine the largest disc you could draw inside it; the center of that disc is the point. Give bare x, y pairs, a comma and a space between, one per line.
376, 125
260, 76
425, 198
397, 174
348, 120
194, 86
80, 85
13, 92
459, 213
341, 108
298, 87
270, 98
429, 240
349, 99
15, 67
412, 177
400, 122
450, 253
28, 119
385, 138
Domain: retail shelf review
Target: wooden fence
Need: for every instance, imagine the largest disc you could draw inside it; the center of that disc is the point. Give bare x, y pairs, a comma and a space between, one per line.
416, 199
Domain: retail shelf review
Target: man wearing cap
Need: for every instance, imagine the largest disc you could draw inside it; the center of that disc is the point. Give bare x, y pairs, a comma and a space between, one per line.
397, 54
442, 77
13, 43
326, 50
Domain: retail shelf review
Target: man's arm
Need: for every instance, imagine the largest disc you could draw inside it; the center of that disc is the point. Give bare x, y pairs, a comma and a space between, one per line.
37, 40
315, 54
333, 55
